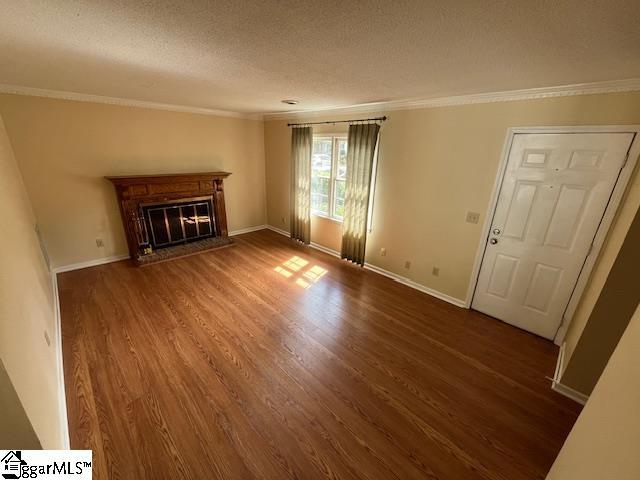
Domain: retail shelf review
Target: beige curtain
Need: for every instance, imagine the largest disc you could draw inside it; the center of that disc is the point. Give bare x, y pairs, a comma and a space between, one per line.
301, 145
362, 145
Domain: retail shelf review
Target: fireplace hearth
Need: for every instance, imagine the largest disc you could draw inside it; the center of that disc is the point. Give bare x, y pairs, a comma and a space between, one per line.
169, 216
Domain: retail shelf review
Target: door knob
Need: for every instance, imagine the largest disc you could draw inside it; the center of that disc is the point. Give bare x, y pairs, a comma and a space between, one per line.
493, 241
496, 231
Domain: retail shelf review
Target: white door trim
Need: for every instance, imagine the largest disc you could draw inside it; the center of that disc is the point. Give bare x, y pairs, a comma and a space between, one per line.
607, 218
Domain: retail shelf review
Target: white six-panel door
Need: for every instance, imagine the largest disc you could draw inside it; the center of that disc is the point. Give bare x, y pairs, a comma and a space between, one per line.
553, 195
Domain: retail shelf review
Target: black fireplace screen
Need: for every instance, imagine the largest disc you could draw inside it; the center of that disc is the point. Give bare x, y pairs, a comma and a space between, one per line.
180, 222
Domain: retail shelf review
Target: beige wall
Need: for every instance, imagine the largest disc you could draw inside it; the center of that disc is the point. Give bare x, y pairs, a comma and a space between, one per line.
326, 232
65, 148
609, 318
603, 444
438, 163
26, 305
16, 431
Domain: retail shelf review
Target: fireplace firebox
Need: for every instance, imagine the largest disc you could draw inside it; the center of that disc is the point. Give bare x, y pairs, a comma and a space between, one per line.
167, 216
181, 221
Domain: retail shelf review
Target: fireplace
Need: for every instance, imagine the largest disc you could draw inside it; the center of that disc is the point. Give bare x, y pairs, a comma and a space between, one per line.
178, 222
167, 216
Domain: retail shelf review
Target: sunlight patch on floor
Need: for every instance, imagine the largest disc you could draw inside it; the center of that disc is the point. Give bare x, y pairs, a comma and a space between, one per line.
315, 273
283, 272
295, 263
304, 277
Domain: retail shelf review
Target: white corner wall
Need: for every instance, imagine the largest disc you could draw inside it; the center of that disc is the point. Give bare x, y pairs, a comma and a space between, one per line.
27, 310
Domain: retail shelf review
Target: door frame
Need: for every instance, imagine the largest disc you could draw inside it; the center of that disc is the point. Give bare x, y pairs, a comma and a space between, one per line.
617, 195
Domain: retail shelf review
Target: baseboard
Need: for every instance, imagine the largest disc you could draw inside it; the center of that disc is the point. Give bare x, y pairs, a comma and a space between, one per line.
327, 250
247, 230
569, 392
418, 286
394, 276
562, 389
90, 263
62, 397
317, 246
277, 230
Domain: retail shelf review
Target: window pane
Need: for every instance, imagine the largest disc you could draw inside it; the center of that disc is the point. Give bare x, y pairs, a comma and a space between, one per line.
338, 200
321, 157
320, 195
320, 175
341, 169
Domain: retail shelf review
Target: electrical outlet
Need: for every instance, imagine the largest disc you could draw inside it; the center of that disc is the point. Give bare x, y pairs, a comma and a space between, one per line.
473, 217
99, 243
407, 264
47, 339
435, 271
383, 252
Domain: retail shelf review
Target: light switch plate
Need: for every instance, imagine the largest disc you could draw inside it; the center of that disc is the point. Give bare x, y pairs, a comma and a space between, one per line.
473, 217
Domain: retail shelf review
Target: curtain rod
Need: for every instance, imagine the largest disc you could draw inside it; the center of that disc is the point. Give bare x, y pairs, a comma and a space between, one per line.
375, 119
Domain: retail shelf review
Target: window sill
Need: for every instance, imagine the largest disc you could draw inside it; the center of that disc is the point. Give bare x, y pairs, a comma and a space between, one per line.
331, 219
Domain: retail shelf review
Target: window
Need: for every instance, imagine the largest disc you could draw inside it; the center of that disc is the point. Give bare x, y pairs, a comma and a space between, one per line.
328, 175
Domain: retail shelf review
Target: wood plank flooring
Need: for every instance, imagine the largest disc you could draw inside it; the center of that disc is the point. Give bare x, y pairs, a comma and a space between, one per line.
272, 360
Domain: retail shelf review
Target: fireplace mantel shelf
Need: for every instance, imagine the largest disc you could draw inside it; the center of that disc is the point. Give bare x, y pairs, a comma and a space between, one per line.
163, 177
136, 191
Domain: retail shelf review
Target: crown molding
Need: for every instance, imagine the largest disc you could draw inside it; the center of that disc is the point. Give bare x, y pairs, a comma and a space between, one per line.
124, 102
614, 86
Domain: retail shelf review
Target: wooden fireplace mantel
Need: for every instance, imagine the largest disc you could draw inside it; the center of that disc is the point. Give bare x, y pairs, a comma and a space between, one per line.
136, 190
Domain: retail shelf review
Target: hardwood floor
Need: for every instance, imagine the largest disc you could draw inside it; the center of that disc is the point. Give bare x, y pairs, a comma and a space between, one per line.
272, 360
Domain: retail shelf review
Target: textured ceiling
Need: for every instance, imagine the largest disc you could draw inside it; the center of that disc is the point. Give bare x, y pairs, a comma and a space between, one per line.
246, 56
